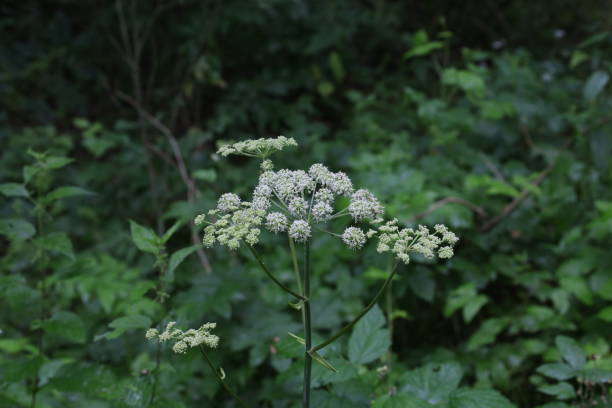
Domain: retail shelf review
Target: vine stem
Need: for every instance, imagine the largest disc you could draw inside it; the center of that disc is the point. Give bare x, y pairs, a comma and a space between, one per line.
221, 379
307, 327
271, 276
348, 327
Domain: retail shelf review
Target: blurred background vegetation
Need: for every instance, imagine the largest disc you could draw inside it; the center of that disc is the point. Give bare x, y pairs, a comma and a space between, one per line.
491, 116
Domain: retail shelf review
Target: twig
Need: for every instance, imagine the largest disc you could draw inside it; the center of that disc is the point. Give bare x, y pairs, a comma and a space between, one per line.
180, 163
515, 203
451, 200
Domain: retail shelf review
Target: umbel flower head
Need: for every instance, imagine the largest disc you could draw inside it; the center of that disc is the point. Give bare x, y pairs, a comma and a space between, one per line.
261, 148
402, 241
297, 201
184, 340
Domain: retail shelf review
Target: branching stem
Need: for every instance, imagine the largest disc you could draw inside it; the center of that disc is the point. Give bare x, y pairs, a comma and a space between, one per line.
307, 327
271, 276
348, 327
220, 378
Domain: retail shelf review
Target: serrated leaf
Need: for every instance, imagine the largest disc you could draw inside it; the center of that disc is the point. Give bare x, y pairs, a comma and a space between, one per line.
144, 238
560, 390
16, 229
477, 398
433, 382
368, 341
67, 191
14, 190
56, 242
571, 351
176, 259
558, 371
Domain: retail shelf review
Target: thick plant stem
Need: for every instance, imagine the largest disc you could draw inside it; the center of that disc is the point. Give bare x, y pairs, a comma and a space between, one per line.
221, 379
307, 327
348, 327
278, 283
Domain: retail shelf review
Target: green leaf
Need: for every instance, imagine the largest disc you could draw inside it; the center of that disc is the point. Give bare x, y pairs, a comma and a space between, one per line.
577, 285
122, 324
56, 242
473, 306
558, 371
368, 341
176, 259
16, 229
403, 400
17, 346
571, 351
63, 192
144, 238
594, 85
209, 175
54, 162
168, 234
459, 297
14, 190
433, 382
319, 359
66, 325
486, 333
560, 390
468, 81
605, 314
477, 398
423, 49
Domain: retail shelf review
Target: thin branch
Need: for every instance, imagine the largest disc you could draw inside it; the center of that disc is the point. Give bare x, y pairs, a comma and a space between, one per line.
180, 163
508, 209
450, 200
273, 278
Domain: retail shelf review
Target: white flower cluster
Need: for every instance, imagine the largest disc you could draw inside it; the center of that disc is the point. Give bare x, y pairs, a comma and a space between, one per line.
261, 148
401, 242
290, 201
185, 339
294, 201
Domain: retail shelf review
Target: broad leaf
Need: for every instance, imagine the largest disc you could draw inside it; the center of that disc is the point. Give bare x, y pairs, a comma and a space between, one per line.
433, 382
368, 341
14, 190
571, 351
16, 229
476, 398
560, 390
56, 242
144, 238
558, 371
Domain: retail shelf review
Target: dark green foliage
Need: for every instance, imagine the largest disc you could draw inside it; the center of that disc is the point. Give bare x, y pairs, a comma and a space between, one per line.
492, 117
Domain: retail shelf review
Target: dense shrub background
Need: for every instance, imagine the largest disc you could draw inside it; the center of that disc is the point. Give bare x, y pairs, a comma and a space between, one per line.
490, 116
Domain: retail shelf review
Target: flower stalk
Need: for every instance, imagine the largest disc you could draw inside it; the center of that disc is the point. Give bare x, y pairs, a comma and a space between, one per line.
307, 328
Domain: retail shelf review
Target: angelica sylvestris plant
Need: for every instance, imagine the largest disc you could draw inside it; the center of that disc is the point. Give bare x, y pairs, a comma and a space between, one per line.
202, 338
302, 204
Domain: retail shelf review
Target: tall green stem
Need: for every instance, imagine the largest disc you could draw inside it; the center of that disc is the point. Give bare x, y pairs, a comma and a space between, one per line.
296, 268
348, 327
307, 327
221, 379
271, 276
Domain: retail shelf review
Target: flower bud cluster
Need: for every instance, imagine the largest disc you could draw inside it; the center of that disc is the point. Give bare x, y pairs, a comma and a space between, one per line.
184, 340
258, 148
402, 241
